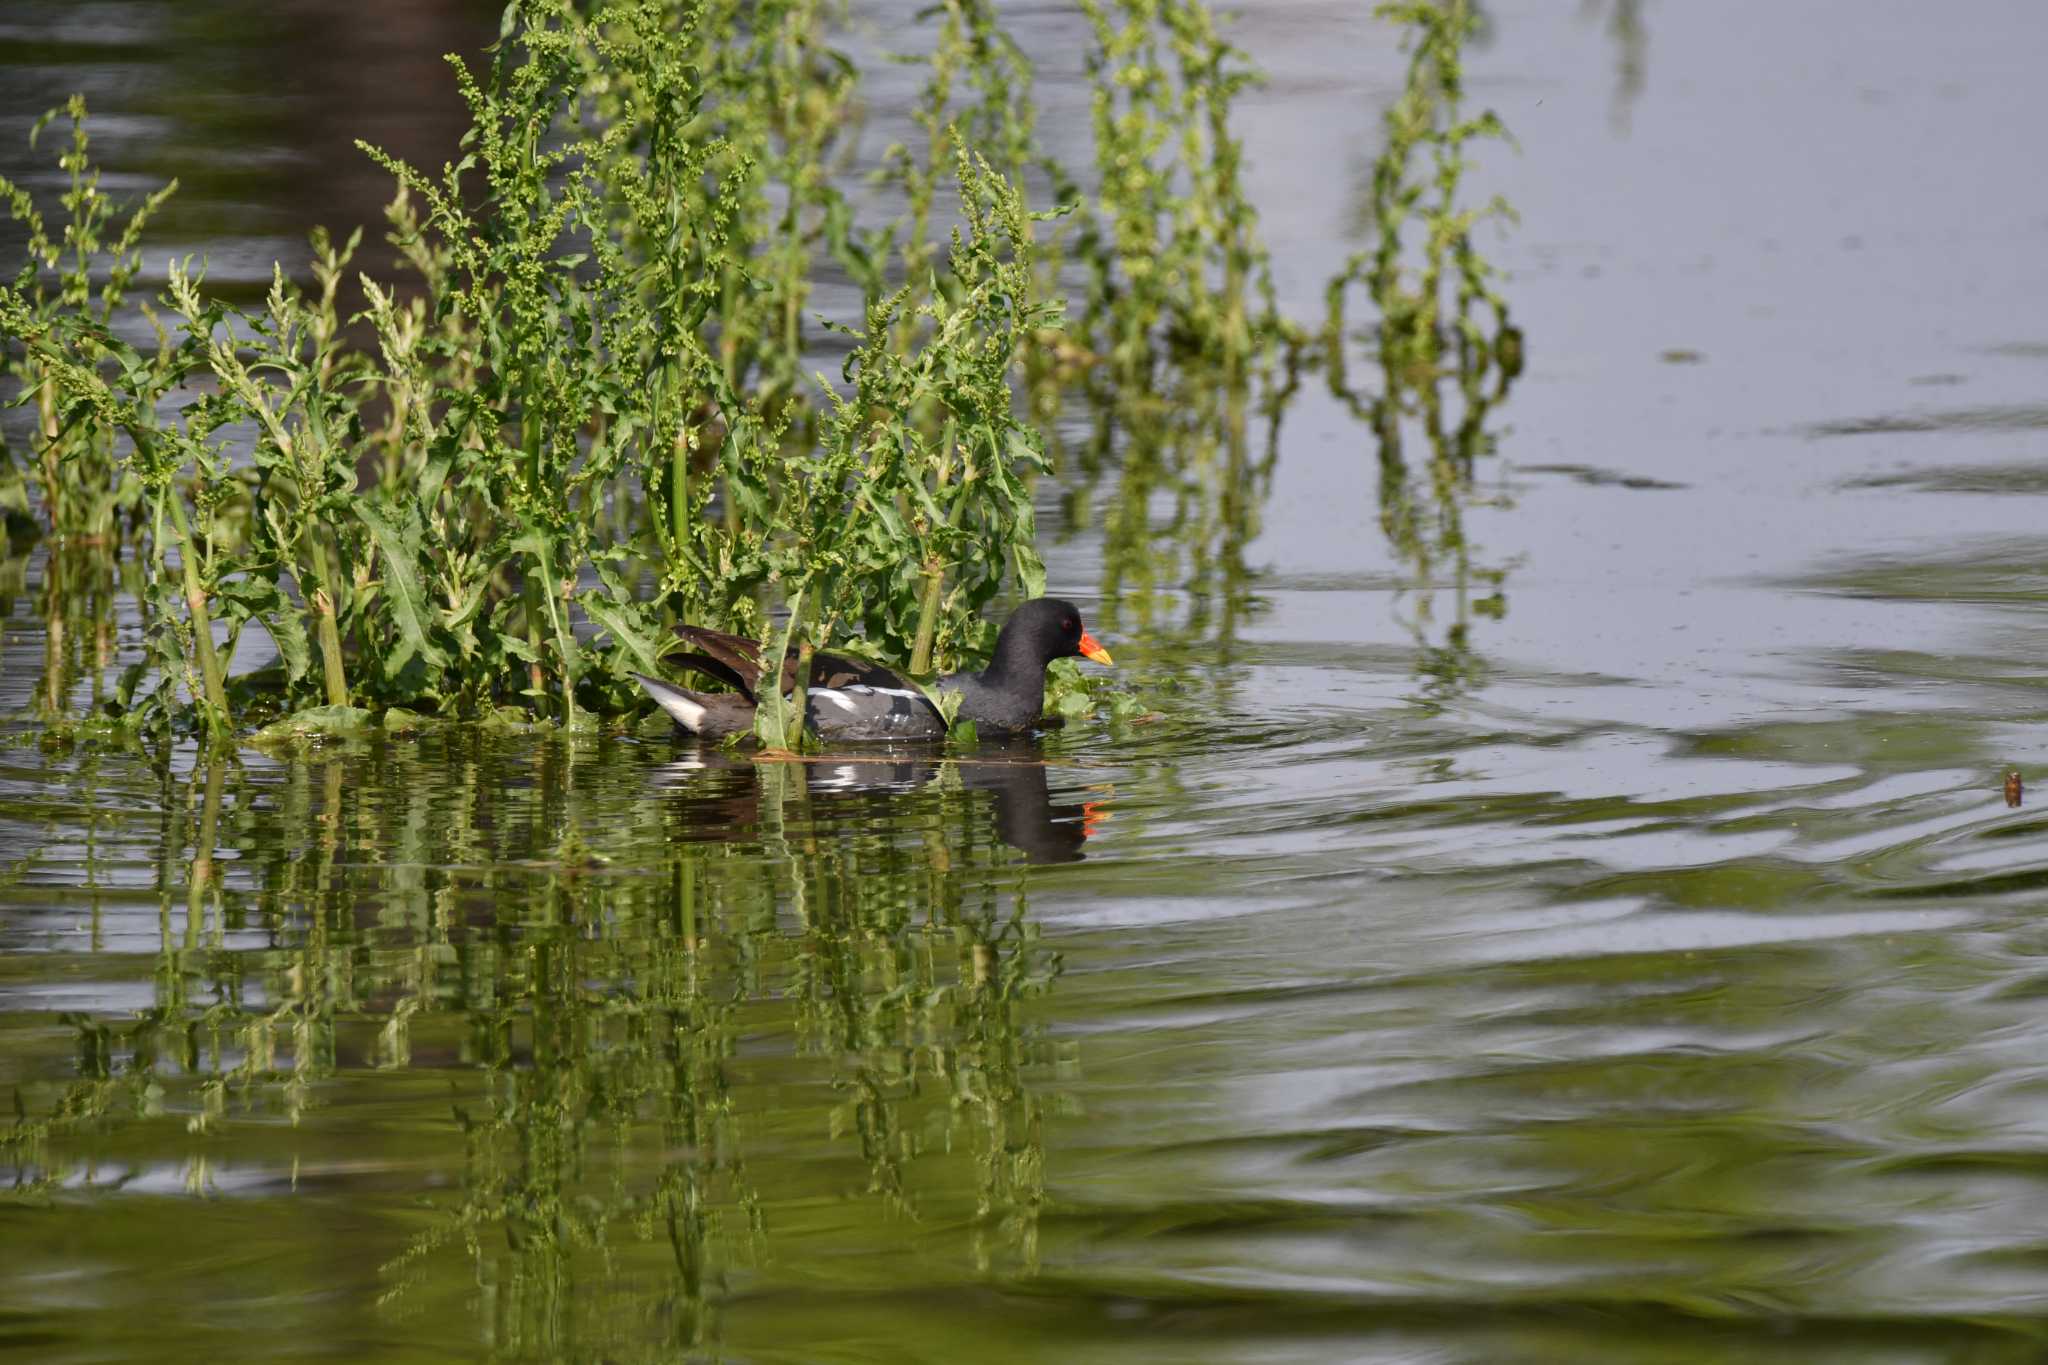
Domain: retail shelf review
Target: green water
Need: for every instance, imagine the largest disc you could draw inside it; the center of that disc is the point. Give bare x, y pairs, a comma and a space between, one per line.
1606, 941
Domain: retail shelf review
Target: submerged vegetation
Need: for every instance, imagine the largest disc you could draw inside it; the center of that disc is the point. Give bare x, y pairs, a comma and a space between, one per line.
591, 408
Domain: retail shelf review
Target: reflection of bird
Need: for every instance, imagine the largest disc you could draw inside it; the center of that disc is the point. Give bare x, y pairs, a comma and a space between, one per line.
852, 699
1011, 772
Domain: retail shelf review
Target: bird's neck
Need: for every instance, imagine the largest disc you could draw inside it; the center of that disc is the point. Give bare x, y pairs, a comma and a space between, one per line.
1007, 666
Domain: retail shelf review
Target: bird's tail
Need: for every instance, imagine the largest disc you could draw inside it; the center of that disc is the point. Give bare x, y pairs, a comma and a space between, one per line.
687, 708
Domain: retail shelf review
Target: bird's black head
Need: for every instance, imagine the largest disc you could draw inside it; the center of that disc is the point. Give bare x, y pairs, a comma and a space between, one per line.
1044, 629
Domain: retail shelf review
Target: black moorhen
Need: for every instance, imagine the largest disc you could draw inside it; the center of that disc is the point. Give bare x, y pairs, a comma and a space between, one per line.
852, 699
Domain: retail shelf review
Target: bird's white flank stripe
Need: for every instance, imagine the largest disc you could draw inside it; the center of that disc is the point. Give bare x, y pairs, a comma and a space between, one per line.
849, 698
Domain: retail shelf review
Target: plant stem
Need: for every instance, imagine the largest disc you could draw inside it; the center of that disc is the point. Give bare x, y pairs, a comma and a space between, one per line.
53, 488
565, 644
927, 617
534, 673
679, 490
768, 694
202, 622
309, 463
799, 696
324, 611
934, 567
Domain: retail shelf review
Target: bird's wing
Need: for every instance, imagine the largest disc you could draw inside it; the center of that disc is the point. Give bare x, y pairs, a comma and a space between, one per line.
736, 661
843, 670
732, 659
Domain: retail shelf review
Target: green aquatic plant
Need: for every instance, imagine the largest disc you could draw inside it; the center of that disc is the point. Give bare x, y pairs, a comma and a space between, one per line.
1165, 239
586, 414
581, 422
995, 116
1422, 249
77, 270
1176, 269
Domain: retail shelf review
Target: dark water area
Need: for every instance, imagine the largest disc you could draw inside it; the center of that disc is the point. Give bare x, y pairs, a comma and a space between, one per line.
1608, 942
253, 109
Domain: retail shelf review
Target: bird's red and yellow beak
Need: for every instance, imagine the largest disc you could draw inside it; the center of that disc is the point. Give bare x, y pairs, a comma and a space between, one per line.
1092, 648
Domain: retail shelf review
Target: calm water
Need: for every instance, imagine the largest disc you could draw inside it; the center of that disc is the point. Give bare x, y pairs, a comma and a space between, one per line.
1612, 946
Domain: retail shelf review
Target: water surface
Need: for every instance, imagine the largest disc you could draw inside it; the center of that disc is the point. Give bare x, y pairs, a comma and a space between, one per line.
1609, 943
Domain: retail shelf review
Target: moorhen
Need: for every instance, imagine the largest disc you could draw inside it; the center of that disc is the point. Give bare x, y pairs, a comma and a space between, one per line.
852, 699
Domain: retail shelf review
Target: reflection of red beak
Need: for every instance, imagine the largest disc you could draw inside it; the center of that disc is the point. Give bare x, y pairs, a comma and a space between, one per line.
1092, 648
1093, 813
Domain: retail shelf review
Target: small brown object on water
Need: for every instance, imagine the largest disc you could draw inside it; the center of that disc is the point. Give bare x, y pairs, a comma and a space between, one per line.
2014, 791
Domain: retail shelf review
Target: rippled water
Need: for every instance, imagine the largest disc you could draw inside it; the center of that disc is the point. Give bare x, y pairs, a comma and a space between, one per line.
1624, 952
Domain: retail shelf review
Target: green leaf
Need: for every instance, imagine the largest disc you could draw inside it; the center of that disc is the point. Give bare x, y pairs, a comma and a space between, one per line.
399, 547
433, 476
262, 600
535, 542
317, 722
947, 704
884, 511
1030, 570
620, 619
518, 648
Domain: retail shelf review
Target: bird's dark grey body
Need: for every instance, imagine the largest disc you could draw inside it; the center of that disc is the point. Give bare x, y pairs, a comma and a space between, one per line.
996, 702
852, 700
872, 713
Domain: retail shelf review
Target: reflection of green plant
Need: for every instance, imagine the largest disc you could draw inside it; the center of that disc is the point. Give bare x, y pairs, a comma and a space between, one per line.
1631, 53
1171, 242
1427, 125
920, 988
600, 1141
1197, 465
1427, 343
76, 602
